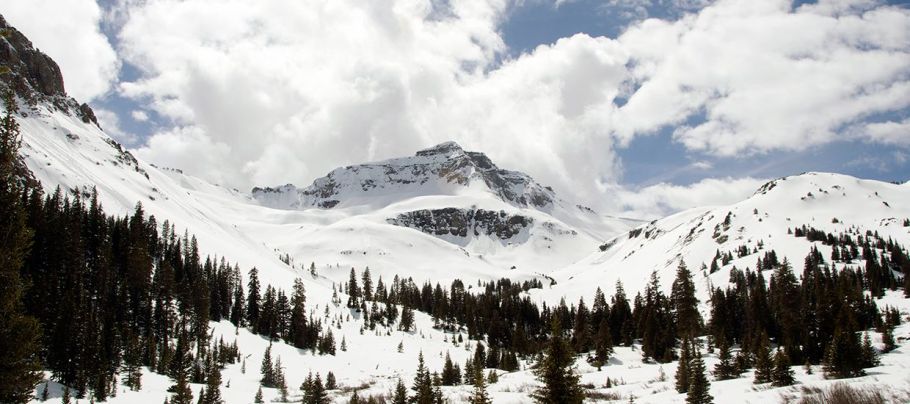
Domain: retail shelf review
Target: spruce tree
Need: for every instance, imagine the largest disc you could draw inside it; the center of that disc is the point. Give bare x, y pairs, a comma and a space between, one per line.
725, 369
782, 375
763, 362
354, 294
685, 304
556, 373
330, 383
450, 375
888, 338
479, 394
423, 384
19, 333
401, 393
258, 398
213, 384
699, 387
267, 368
683, 381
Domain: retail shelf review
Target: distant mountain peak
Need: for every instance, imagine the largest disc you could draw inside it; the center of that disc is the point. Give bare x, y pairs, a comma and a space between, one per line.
444, 148
443, 169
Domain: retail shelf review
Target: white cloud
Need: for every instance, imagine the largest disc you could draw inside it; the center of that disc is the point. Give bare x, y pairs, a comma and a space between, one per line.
765, 77
658, 200
69, 32
139, 115
284, 92
889, 132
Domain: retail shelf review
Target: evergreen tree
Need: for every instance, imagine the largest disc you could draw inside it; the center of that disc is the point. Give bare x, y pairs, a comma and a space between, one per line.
406, 322
367, 284
782, 375
888, 338
330, 383
253, 300
267, 368
699, 387
19, 333
298, 327
683, 381
479, 394
213, 384
66, 395
258, 398
354, 294
450, 374
423, 384
555, 372
401, 393
725, 369
685, 304
763, 362
844, 354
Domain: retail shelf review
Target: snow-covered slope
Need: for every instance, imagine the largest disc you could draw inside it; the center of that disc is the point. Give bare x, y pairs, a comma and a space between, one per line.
832, 203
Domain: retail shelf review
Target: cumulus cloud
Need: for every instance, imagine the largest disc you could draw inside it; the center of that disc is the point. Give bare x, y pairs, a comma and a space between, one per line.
70, 35
274, 92
889, 132
658, 200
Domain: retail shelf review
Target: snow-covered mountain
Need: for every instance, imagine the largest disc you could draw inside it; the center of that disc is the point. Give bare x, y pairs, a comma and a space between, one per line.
832, 203
444, 169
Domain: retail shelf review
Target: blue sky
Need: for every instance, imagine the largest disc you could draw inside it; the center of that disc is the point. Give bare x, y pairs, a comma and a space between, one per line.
602, 99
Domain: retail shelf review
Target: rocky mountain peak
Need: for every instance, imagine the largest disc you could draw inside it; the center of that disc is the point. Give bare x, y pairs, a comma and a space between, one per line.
445, 168
33, 75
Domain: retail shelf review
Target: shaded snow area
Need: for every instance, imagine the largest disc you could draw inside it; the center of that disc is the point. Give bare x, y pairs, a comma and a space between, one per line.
525, 231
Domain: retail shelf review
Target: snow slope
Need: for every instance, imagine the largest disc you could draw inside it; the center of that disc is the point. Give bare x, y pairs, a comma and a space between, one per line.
831, 202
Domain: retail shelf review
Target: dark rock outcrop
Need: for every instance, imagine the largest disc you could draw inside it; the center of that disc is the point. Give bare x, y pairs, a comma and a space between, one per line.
462, 222
34, 76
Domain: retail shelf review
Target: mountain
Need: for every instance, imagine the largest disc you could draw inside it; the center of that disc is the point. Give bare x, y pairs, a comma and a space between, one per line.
834, 203
444, 169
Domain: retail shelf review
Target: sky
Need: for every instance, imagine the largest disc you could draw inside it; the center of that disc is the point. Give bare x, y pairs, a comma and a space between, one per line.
634, 107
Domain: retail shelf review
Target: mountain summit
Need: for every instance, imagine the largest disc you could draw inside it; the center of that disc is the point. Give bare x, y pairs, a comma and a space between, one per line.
444, 169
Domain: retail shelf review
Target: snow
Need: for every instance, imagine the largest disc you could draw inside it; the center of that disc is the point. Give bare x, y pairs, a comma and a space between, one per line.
63, 151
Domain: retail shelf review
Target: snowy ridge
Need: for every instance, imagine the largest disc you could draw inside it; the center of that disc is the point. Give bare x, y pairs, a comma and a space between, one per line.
830, 202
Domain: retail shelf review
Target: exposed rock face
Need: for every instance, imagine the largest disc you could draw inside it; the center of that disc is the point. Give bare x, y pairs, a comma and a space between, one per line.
33, 75
462, 222
430, 171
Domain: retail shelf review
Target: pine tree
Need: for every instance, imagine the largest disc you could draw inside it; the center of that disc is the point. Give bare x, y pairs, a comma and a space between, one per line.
401, 393
683, 381
267, 368
258, 398
782, 375
330, 383
699, 387
19, 333
450, 374
354, 294
888, 338
367, 284
298, 326
423, 384
725, 369
66, 395
685, 304
479, 394
763, 362
213, 384
253, 300
555, 372
406, 322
